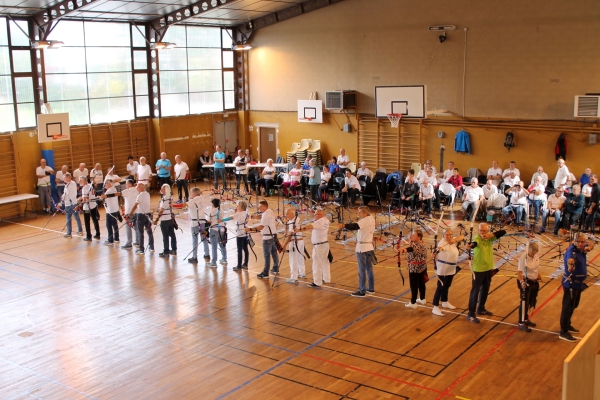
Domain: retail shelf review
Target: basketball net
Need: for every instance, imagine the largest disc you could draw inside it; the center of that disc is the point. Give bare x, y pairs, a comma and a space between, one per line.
394, 119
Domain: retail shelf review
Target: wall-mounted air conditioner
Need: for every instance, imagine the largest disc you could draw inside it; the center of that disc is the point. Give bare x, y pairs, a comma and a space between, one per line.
340, 99
587, 106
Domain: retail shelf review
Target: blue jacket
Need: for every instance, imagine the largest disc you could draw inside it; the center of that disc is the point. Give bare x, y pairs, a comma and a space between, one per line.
580, 272
462, 142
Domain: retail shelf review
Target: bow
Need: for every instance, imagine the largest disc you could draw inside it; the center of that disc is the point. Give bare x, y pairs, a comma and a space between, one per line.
399, 261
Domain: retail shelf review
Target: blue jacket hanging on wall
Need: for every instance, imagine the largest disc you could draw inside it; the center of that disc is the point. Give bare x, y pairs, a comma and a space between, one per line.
462, 142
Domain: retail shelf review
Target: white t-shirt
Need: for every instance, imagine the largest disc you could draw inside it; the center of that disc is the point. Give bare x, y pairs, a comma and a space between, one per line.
129, 196
352, 182
487, 192
115, 179
507, 172
495, 171
143, 202
240, 169
586, 190
269, 172
364, 238
432, 180
447, 174
292, 224
165, 204
240, 220
363, 172
533, 265
320, 231
143, 173
112, 203
519, 198
427, 190
132, 169
446, 258
562, 174
60, 177
267, 220
472, 193
296, 174
511, 181
77, 173
544, 177
97, 176
87, 192
181, 170
325, 177
421, 175
556, 202
534, 189
341, 159
194, 207
45, 181
70, 194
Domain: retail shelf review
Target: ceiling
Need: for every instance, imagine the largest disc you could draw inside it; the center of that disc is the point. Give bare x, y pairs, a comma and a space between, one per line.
219, 12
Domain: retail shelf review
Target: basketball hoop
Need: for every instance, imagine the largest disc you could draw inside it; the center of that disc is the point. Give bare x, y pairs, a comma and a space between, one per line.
394, 119
309, 119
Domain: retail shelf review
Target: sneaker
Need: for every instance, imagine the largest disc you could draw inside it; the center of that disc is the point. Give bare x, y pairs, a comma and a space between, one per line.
173, 252
107, 242
484, 312
473, 319
447, 305
571, 329
87, 239
223, 262
436, 311
313, 285
421, 301
206, 258
524, 328
541, 231
151, 249
567, 336
245, 266
211, 265
177, 202
237, 268
67, 236
291, 280
532, 324
411, 305
136, 245
97, 237
302, 276
273, 272
370, 291
164, 254
262, 276
80, 233
193, 260
140, 252
358, 294
127, 246
117, 241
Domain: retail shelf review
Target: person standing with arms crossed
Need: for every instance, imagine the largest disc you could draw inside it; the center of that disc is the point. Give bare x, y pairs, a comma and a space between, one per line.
163, 170
219, 168
44, 187
321, 267
365, 252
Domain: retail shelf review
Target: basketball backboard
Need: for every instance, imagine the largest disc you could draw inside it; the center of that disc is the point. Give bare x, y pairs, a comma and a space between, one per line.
410, 101
310, 111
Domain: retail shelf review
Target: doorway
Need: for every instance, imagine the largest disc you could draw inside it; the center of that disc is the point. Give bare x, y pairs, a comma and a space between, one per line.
226, 135
267, 143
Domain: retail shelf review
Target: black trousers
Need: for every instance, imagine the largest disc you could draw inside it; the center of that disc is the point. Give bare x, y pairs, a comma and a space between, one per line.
143, 223
241, 177
411, 202
161, 181
441, 291
526, 300
93, 215
353, 194
427, 205
314, 189
242, 250
417, 285
265, 183
168, 232
569, 304
183, 184
480, 287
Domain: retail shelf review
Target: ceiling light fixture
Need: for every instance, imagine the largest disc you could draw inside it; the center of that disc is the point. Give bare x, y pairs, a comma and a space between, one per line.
47, 44
241, 47
162, 45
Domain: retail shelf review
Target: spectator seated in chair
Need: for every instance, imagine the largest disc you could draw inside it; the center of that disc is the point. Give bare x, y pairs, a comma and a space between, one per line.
325, 183
409, 195
294, 177
518, 202
426, 196
573, 208
537, 196
457, 182
555, 206
363, 172
471, 199
351, 188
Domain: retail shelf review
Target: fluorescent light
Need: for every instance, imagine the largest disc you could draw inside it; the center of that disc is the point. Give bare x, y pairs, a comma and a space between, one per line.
56, 44
241, 47
162, 45
46, 44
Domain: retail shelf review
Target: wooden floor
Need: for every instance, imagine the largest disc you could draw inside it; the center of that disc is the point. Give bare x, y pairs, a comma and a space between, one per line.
83, 320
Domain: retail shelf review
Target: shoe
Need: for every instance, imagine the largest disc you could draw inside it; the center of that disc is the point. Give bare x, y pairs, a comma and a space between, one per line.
117, 241
127, 246
524, 328
107, 242
436, 311
79, 233
67, 236
421, 301
237, 268
140, 252
206, 258
262, 276
193, 260
177, 202
151, 249
97, 237
299, 276
291, 280
313, 285
571, 329
223, 262
567, 336
541, 231
484, 312
473, 319
211, 265
358, 294
532, 324
244, 266
87, 239
447, 305
164, 254
411, 305
173, 252
273, 272
370, 291
136, 245
555, 233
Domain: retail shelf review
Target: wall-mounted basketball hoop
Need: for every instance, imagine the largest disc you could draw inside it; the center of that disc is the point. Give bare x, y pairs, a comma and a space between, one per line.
394, 119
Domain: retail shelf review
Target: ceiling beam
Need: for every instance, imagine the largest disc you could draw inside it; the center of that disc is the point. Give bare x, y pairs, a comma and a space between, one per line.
160, 25
44, 19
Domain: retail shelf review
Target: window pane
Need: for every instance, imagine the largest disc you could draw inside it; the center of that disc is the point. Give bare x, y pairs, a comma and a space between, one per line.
26, 113
228, 81
204, 58
106, 34
24, 89
7, 118
173, 82
65, 60
110, 110
229, 100
174, 104
138, 38
4, 61
78, 111
227, 41
141, 104
199, 36
66, 87
172, 59
139, 60
108, 59
110, 85
176, 34
3, 33
227, 59
22, 60
206, 102
18, 38
69, 32
202, 81
5, 90
141, 84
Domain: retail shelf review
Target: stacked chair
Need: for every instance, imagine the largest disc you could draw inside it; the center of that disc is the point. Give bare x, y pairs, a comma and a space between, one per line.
292, 152
300, 150
315, 152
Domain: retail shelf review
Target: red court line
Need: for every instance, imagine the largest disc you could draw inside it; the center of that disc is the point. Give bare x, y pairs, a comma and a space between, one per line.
445, 393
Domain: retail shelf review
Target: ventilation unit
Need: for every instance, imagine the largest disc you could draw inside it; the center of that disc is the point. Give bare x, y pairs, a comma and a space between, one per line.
587, 106
340, 99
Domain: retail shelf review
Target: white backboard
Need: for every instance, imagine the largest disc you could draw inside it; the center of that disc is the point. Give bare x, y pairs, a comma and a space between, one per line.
310, 111
53, 127
409, 100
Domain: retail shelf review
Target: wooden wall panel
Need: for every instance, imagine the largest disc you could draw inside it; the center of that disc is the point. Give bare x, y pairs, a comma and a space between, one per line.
8, 176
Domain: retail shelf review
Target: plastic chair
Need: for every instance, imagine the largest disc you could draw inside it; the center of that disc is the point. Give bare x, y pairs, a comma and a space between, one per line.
352, 167
416, 167
447, 192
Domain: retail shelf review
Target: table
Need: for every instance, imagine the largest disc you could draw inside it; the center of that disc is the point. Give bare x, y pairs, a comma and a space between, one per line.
262, 165
27, 197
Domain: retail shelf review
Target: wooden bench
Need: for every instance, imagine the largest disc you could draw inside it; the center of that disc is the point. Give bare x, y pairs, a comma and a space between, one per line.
27, 197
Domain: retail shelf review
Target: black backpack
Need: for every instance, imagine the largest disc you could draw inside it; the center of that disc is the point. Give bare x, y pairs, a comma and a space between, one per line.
509, 141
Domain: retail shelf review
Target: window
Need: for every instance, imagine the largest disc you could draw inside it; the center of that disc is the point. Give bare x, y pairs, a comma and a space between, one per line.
7, 108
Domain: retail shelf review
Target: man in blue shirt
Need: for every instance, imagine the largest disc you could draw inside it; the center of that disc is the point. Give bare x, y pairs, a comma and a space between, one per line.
219, 159
163, 170
573, 283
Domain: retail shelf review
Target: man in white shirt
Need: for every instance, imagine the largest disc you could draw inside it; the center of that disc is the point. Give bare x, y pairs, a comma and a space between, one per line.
60, 181
363, 171
429, 164
426, 195
556, 203
511, 168
181, 172
320, 252
44, 187
198, 225
241, 170
295, 245
143, 217
79, 172
447, 173
132, 168
69, 200
518, 201
540, 174
365, 251
268, 229
129, 195
472, 197
343, 160
113, 217
562, 174
511, 180
90, 208
488, 189
495, 173
537, 195
144, 172
351, 187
